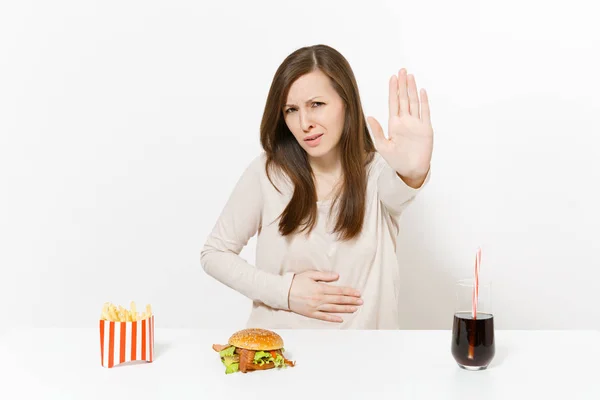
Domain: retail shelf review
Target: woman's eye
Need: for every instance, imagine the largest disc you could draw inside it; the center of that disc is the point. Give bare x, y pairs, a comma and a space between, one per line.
292, 109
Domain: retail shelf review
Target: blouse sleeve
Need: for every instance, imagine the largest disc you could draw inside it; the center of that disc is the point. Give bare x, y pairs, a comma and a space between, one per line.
238, 223
393, 192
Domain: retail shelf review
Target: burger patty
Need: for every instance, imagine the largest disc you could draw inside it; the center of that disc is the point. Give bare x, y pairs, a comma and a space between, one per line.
247, 359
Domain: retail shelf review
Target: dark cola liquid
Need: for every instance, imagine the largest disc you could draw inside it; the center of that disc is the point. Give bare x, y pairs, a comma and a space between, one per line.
473, 340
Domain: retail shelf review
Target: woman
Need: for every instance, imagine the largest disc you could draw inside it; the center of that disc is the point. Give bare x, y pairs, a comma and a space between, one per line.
324, 202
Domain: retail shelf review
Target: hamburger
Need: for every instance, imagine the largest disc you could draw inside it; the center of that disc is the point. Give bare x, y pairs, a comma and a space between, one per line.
252, 349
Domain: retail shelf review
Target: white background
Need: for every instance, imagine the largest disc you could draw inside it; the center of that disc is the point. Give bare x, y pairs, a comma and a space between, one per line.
125, 125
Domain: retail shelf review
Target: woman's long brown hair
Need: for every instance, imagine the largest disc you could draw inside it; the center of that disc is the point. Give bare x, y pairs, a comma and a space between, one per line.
283, 151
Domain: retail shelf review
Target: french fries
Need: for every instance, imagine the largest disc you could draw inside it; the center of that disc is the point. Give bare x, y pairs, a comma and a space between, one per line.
110, 312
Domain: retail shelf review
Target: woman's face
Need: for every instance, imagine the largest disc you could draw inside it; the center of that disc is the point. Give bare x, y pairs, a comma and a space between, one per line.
315, 111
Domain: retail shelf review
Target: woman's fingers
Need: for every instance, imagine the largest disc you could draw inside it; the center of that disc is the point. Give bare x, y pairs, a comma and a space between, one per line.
413, 96
339, 290
425, 114
341, 299
393, 96
378, 135
322, 276
403, 93
336, 308
336, 304
327, 317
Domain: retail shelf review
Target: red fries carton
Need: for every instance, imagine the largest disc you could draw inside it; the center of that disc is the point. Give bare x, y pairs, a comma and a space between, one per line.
126, 336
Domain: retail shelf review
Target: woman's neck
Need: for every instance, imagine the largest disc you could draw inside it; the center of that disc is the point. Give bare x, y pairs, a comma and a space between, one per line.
328, 165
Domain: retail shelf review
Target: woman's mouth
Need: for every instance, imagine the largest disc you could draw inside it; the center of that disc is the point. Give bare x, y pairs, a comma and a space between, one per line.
313, 140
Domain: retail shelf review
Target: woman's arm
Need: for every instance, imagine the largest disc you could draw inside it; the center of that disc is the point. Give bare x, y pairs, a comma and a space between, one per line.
395, 192
239, 221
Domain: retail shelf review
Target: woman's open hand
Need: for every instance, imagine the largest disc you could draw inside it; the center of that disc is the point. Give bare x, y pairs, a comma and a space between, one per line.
409, 147
310, 297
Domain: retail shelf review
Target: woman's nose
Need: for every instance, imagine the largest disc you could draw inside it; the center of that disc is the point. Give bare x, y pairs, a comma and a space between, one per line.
305, 121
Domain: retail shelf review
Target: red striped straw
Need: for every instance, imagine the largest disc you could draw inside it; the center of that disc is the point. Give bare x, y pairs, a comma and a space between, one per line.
475, 296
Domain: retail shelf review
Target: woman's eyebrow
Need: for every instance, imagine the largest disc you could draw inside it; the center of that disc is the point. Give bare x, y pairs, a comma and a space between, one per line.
307, 101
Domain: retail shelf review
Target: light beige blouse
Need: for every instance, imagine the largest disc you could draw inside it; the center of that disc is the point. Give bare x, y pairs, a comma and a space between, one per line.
367, 263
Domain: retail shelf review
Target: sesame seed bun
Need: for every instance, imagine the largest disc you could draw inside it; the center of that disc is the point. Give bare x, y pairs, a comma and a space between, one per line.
256, 339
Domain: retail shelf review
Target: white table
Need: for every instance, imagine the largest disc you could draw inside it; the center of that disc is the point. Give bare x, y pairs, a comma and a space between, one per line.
65, 364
